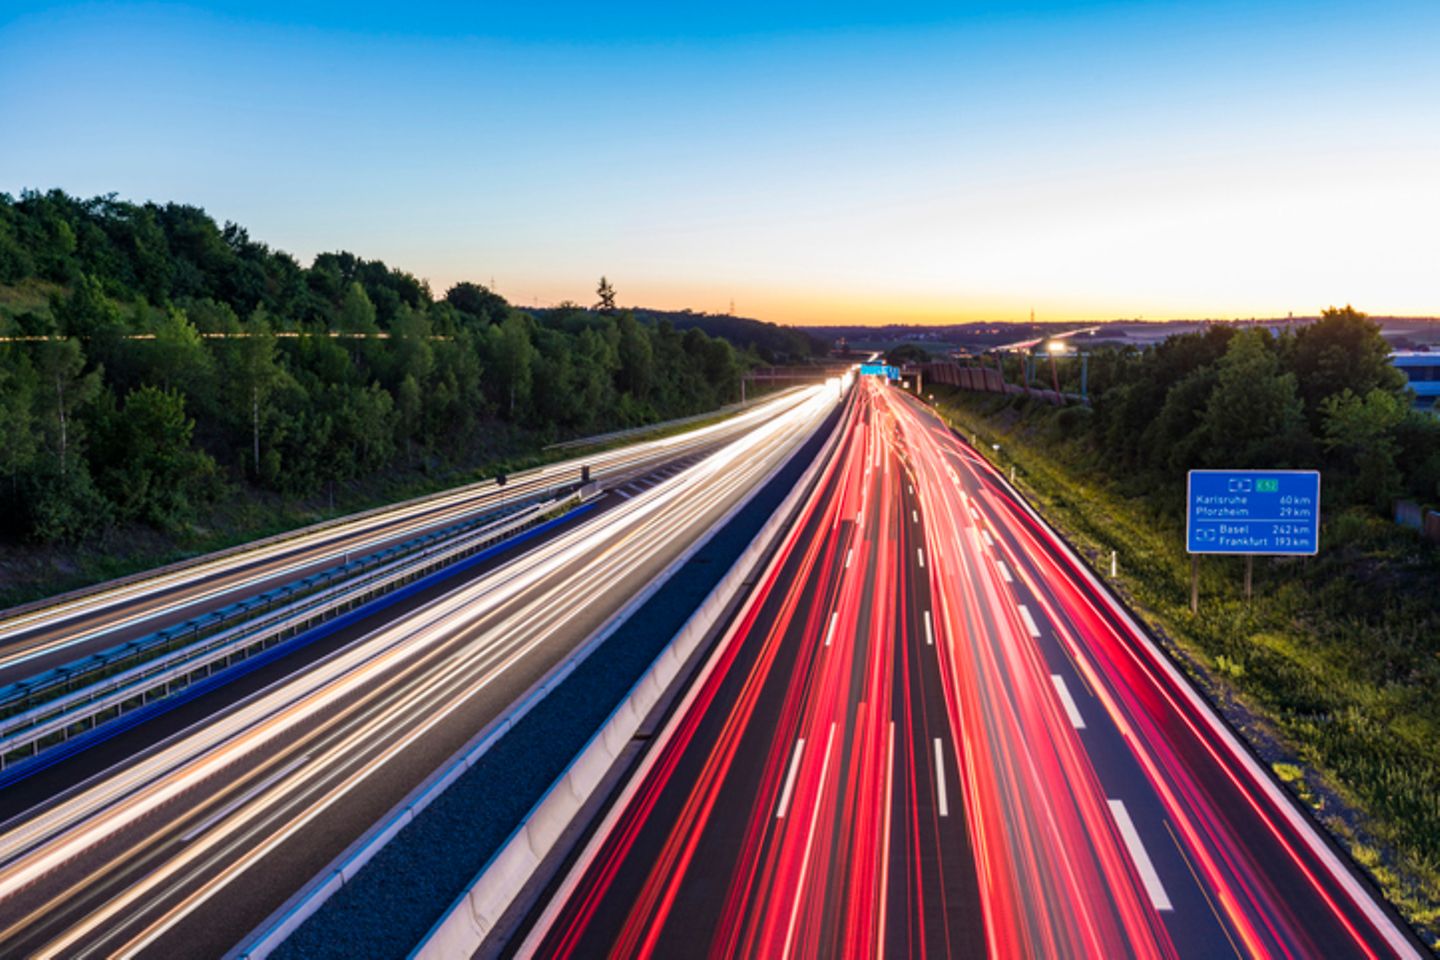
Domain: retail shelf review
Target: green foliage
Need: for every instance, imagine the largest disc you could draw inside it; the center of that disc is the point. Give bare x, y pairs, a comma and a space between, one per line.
1360, 441
237, 366
150, 471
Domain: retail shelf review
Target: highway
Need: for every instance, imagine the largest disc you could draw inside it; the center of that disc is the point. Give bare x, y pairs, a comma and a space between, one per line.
931, 733
184, 848
50, 635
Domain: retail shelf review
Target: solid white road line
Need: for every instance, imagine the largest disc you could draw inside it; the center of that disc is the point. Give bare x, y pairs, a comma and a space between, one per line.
1148, 876
940, 796
1004, 571
790, 779
1029, 621
830, 631
929, 632
1072, 711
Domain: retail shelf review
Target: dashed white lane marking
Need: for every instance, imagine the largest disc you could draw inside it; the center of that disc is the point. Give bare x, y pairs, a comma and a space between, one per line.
985, 534
809, 843
921, 554
849, 555
1148, 876
830, 631
790, 779
1029, 621
914, 516
912, 491
929, 632
940, 797
1071, 711
1004, 571
623, 495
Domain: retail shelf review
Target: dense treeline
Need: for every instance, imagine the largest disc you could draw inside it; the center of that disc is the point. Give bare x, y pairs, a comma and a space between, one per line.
1326, 396
172, 359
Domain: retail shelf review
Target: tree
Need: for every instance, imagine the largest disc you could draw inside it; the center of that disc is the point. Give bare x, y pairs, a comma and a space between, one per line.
513, 355
1254, 417
1359, 436
66, 388
177, 357
606, 293
252, 374
477, 302
636, 372
146, 465
1341, 351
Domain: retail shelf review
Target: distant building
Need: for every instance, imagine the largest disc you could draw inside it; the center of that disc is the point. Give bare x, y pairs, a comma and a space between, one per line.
1423, 372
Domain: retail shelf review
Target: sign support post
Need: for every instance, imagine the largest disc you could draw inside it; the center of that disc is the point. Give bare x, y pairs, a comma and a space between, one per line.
1194, 583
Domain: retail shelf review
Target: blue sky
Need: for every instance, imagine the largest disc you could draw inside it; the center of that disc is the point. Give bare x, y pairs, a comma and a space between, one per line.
809, 161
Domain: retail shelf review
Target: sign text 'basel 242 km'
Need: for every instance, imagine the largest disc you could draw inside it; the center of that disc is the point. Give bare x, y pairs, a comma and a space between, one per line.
1253, 511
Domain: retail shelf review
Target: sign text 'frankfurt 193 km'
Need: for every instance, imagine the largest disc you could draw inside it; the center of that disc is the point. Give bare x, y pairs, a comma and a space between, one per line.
1253, 511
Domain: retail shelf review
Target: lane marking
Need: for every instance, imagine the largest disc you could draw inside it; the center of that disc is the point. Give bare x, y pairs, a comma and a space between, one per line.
830, 631
885, 848
809, 843
921, 554
1004, 571
986, 535
929, 633
241, 800
1029, 621
849, 555
1071, 710
941, 798
914, 517
912, 491
790, 779
1148, 876
623, 494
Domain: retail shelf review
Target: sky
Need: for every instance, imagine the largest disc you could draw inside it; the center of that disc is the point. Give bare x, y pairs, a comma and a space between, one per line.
811, 163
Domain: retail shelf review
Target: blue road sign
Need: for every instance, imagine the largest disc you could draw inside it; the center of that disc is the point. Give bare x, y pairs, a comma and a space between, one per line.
1253, 511
879, 370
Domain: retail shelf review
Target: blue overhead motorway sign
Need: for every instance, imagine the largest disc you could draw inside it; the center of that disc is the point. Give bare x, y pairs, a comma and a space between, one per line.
1253, 511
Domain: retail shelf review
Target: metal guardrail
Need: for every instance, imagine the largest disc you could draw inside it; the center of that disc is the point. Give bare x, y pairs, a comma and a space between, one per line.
23, 694
27, 735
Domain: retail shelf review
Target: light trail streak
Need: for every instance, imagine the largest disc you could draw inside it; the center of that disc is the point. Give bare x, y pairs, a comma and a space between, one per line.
226, 785
190, 588
1062, 866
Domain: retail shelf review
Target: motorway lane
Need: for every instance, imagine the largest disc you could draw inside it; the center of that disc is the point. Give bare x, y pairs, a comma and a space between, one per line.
50, 782
804, 800
1103, 807
1103, 781
52, 636
182, 851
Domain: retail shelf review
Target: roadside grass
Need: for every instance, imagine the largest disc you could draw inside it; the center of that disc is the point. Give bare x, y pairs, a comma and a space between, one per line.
29, 295
1332, 672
